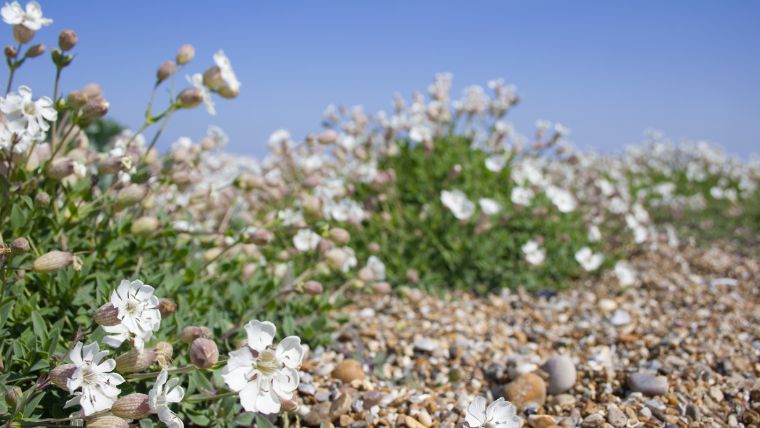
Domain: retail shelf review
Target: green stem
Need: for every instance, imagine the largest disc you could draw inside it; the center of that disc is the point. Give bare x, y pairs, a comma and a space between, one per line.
210, 397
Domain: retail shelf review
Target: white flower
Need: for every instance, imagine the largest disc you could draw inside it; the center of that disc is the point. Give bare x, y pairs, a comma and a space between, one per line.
534, 254
306, 240
588, 260
594, 234
625, 273
225, 68
161, 395
346, 210
522, 196
97, 383
499, 414
457, 202
24, 115
496, 163
264, 377
562, 199
489, 206
197, 81
377, 267
138, 311
32, 18
420, 134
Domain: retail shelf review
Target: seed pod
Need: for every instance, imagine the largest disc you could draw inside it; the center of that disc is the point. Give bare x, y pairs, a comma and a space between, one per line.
12, 394
129, 196
185, 54
313, 288
60, 375
339, 236
20, 245
166, 307
165, 70
22, 34
190, 333
67, 39
145, 226
35, 51
107, 315
132, 406
135, 361
189, 98
108, 422
52, 261
204, 353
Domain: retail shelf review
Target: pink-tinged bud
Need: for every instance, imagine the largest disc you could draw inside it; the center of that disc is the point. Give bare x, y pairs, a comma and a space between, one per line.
212, 78
312, 181
22, 34
42, 199
35, 51
11, 52
203, 353
207, 144
107, 422
339, 235
114, 164
164, 352
129, 196
374, 247
185, 54
166, 306
67, 39
324, 246
132, 406
328, 136
20, 246
107, 315
60, 169
95, 108
145, 226
226, 92
249, 269
190, 333
60, 375
165, 70
336, 258
189, 98
313, 288
135, 361
382, 288
412, 276
52, 261
12, 395
261, 237
365, 274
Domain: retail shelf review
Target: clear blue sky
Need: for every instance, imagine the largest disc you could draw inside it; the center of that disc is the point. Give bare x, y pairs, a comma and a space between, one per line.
606, 69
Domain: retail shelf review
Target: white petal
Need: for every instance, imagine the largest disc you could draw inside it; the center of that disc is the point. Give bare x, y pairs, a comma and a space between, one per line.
249, 395
476, 412
260, 334
169, 418
290, 352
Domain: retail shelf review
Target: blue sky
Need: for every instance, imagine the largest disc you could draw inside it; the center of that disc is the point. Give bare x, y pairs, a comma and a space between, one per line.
606, 69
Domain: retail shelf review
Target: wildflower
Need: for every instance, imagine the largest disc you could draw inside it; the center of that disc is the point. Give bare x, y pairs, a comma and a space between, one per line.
306, 240
162, 394
226, 71
562, 199
625, 273
24, 115
30, 18
457, 202
489, 206
594, 234
522, 196
588, 260
496, 163
534, 254
197, 81
94, 378
264, 377
500, 413
67, 39
138, 312
342, 258
377, 267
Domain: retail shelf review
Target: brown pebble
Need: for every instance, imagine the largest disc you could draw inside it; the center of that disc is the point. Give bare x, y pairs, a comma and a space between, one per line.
528, 390
348, 370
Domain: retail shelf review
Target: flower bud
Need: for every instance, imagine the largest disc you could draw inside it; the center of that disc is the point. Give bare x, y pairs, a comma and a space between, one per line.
365, 274
185, 54
135, 361
11, 52
95, 108
20, 245
60, 169
12, 395
129, 196
107, 422
52, 261
374, 247
166, 307
165, 70
325, 246
132, 406
189, 98
60, 375
412, 276
248, 270
312, 181
335, 258
22, 34
144, 226
190, 333
382, 287
261, 237
313, 288
107, 315
67, 39
328, 136
212, 78
35, 51
226, 92
42, 199
164, 352
204, 353
114, 164
339, 236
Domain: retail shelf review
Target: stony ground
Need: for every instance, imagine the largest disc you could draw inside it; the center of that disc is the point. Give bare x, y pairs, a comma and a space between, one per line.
682, 348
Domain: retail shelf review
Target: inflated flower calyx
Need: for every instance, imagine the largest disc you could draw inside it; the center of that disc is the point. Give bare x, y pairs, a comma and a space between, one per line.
20, 246
107, 315
95, 108
60, 169
22, 34
35, 50
204, 353
189, 98
53, 261
60, 375
108, 421
166, 306
12, 395
135, 361
164, 352
129, 196
339, 236
11, 52
313, 288
145, 225
67, 39
185, 54
190, 333
165, 70
132, 406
